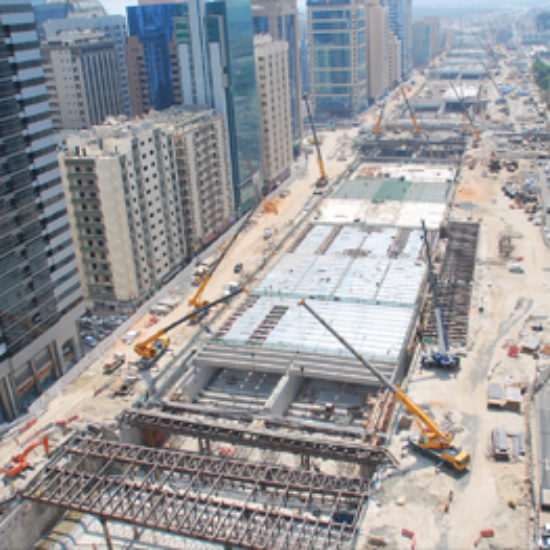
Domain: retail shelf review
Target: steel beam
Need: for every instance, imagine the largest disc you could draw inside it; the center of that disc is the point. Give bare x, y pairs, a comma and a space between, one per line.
356, 453
225, 501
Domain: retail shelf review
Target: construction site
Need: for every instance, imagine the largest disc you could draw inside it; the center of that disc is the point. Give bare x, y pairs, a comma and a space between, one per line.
357, 365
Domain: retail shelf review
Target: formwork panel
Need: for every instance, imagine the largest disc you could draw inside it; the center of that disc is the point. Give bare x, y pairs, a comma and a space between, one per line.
286, 273
323, 276
401, 282
360, 188
376, 331
378, 242
392, 190
349, 239
428, 192
363, 279
314, 239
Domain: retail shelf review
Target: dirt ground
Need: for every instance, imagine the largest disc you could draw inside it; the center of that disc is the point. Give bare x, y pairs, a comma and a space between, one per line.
493, 495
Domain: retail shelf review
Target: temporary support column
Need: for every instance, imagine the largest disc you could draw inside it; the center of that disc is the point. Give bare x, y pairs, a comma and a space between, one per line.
106, 533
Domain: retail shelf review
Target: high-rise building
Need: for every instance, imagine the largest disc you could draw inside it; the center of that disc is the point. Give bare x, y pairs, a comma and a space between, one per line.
153, 77
426, 40
338, 56
113, 27
83, 78
396, 69
142, 195
48, 12
275, 109
280, 21
400, 20
201, 53
378, 56
40, 292
421, 43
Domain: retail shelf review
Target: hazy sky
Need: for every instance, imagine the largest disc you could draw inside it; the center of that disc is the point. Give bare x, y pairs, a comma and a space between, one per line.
118, 6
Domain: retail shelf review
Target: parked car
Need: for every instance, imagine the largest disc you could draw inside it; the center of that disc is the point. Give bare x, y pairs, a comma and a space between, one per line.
238, 267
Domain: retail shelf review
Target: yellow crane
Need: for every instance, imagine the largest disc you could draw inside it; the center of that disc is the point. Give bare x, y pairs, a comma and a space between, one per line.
433, 440
323, 178
466, 113
378, 127
417, 130
154, 346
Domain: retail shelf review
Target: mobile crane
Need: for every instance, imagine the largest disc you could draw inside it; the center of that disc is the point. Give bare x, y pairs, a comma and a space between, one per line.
378, 127
323, 178
467, 113
441, 357
19, 462
154, 346
433, 441
417, 130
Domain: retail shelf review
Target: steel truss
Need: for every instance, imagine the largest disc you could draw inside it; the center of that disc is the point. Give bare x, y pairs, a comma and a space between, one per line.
368, 455
220, 500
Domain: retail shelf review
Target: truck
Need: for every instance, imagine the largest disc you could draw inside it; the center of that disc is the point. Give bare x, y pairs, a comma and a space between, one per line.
115, 363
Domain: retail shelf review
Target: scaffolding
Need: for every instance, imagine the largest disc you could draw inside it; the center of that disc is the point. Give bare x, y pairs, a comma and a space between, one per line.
214, 499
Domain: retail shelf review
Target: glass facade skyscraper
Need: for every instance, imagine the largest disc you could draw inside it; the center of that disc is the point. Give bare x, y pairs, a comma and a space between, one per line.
338, 56
152, 28
400, 21
40, 292
216, 61
201, 53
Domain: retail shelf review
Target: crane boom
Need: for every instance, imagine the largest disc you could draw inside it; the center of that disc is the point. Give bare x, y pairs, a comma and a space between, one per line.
467, 113
323, 178
378, 127
157, 343
435, 440
417, 129
195, 300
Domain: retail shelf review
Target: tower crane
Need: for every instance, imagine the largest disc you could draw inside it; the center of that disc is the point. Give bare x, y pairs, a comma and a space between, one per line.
467, 113
417, 129
433, 441
323, 178
441, 357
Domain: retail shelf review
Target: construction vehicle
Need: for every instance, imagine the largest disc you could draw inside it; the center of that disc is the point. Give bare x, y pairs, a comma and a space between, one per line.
378, 127
153, 347
466, 112
417, 130
441, 357
19, 462
433, 441
196, 301
323, 178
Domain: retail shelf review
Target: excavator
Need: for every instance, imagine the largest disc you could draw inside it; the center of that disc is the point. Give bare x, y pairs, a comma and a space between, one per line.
323, 178
19, 462
441, 358
417, 130
153, 347
433, 441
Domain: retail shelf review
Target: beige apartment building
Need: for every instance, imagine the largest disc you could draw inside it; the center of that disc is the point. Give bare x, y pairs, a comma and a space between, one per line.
272, 79
378, 55
142, 196
82, 78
